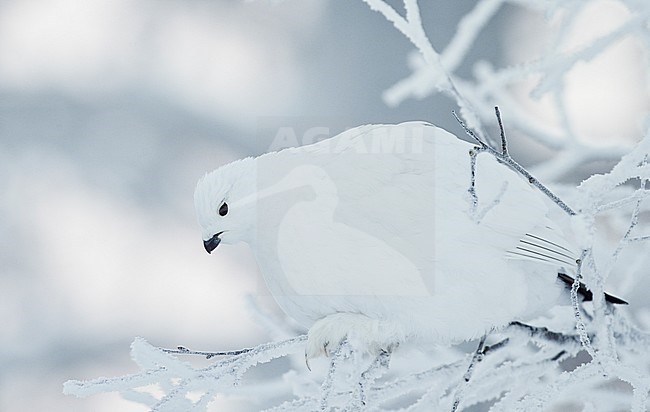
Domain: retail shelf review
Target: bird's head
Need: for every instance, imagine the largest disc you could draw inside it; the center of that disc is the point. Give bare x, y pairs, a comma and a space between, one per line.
225, 204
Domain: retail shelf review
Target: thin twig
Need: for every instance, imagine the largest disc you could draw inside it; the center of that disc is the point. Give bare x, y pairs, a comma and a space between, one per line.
472, 186
468, 131
580, 324
328, 383
634, 221
513, 165
182, 350
504, 143
476, 358
537, 332
376, 369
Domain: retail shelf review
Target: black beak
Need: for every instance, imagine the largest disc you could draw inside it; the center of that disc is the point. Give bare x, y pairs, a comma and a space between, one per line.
212, 243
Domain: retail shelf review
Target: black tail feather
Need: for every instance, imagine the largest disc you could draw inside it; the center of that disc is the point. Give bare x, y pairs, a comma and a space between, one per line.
586, 293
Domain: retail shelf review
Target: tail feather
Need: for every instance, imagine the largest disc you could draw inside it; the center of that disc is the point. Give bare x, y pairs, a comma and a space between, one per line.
586, 293
545, 244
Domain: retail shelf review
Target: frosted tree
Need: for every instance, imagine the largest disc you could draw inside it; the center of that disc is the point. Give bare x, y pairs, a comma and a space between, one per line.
593, 358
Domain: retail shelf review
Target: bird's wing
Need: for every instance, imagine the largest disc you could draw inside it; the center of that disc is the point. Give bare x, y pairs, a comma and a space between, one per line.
408, 185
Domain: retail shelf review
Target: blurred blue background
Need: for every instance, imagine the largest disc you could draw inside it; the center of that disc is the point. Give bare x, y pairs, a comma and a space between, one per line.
110, 110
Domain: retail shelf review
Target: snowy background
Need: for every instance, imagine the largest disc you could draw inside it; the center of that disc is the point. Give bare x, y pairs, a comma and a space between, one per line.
111, 110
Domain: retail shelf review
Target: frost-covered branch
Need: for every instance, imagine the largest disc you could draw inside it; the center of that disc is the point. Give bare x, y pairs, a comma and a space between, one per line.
352, 381
606, 357
435, 71
504, 157
605, 352
177, 379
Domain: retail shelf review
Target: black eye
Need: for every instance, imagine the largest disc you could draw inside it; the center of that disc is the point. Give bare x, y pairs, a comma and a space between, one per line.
223, 210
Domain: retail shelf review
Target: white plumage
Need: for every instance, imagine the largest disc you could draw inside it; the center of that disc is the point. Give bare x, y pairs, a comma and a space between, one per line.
373, 235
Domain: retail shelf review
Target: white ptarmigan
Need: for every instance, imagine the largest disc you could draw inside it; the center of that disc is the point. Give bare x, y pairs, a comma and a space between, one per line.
373, 235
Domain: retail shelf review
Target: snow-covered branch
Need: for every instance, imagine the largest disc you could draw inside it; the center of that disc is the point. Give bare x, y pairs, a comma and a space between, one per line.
351, 381
434, 71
